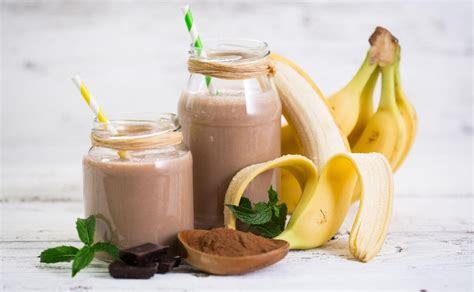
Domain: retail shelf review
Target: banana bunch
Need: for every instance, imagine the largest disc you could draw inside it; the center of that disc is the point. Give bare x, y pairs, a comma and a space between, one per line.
391, 129
327, 174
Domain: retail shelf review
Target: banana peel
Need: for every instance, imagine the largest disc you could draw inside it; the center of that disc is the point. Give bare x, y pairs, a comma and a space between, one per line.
326, 199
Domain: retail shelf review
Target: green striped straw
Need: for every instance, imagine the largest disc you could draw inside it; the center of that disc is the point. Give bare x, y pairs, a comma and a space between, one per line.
196, 41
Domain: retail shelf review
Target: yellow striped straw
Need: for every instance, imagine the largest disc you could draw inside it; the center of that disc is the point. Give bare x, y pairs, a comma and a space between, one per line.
93, 104
97, 110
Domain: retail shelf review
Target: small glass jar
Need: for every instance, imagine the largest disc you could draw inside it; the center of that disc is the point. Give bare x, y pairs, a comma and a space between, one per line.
229, 122
138, 183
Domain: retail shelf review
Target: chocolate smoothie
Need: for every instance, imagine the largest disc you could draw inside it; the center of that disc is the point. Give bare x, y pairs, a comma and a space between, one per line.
226, 133
145, 197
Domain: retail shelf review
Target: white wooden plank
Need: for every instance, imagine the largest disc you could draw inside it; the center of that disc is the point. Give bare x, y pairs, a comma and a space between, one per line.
40, 221
428, 247
413, 268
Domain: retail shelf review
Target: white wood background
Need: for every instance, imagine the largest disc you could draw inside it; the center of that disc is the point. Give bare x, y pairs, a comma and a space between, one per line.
132, 55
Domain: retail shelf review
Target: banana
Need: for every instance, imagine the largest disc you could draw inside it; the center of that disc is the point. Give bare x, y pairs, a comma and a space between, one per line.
385, 132
345, 177
346, 102
393, 139
290, 143
326, 200
297, 90
381, 52
355, 100
366, 108
290, 190
408, 114
351, 103
308, 113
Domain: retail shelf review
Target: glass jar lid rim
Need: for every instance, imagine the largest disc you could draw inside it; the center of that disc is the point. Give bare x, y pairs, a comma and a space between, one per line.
135, 125
221, 50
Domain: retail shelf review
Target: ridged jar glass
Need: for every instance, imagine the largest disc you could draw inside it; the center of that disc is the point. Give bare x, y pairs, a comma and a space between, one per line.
229, 124
138, 183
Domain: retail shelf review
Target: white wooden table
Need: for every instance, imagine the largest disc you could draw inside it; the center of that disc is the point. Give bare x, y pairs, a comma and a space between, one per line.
133, 56
429, 247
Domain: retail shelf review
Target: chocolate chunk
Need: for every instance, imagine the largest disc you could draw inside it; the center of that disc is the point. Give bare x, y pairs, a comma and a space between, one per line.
143, 254
121, 270
167, 263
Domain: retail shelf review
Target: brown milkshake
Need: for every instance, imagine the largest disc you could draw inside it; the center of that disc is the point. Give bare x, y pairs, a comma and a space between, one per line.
146, 197
226, 133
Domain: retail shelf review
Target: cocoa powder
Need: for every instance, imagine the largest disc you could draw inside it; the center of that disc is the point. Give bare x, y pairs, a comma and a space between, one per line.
233, 243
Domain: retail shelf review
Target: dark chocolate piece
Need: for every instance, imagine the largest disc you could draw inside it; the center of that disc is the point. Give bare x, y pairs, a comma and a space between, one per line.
167, 263
143, 254
121, 270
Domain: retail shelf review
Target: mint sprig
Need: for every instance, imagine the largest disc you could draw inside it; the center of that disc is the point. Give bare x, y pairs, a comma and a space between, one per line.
80, 258
86, 229
109, 248
58, 254
267, 219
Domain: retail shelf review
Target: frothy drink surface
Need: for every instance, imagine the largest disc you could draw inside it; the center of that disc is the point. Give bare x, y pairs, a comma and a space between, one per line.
226, 133
140, 201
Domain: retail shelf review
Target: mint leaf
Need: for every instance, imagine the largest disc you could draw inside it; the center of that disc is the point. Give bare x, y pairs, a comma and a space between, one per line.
251, 216
260, 206
58, 254
268, 230
266, 219
245, 202
281, 217
274, 226
109, 248
276, 211
82, 259
272, 196
86, 229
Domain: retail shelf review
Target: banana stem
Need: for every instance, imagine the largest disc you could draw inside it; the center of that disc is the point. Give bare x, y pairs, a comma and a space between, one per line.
398, 81
369, 88
359, 81
387, 99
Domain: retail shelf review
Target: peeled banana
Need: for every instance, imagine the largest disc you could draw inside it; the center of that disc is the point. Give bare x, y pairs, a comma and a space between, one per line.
308, 113
324, 203
297, 90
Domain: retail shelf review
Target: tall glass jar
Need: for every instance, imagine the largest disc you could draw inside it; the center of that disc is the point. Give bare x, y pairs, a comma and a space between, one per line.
138, 183
230, 115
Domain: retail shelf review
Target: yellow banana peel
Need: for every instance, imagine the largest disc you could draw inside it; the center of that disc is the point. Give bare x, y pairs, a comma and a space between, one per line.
326, 200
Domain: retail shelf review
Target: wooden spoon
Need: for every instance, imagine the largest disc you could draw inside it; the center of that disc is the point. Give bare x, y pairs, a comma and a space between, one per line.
223, 265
